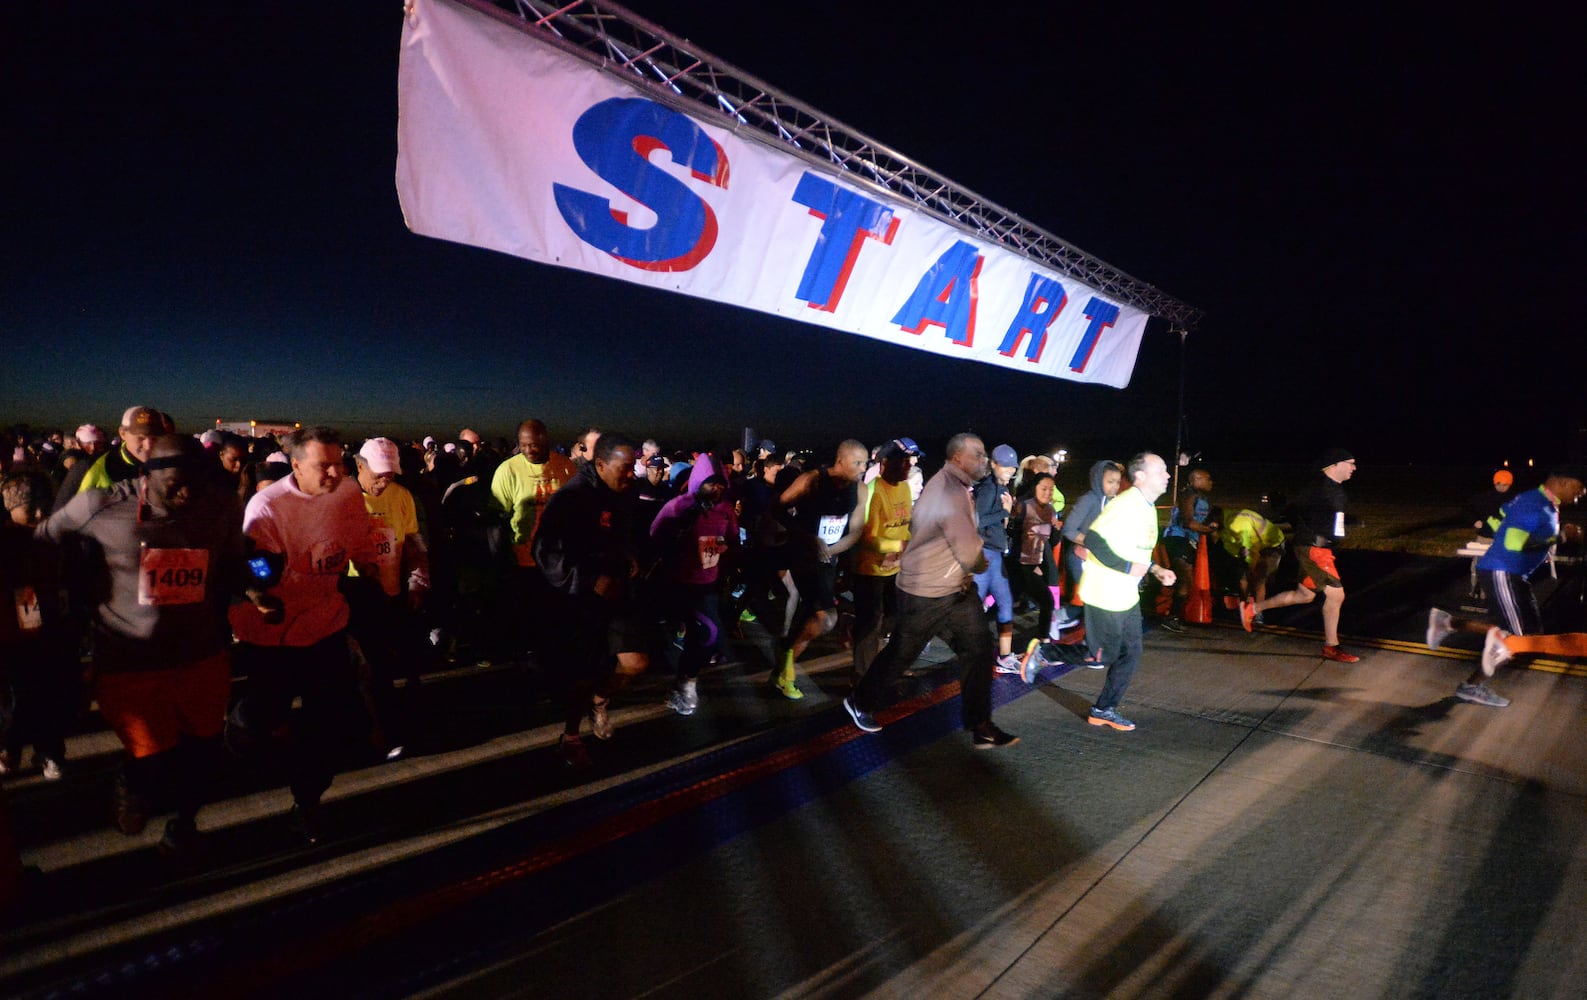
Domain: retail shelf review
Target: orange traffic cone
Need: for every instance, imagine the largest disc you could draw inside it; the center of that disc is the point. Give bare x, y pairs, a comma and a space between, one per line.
1198, 606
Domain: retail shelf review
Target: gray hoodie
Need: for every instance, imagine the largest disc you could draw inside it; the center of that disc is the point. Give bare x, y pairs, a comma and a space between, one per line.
1085, 510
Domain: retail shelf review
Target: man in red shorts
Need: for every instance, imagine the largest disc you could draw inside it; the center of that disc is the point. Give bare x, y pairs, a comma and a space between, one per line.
171, 550
1319, 526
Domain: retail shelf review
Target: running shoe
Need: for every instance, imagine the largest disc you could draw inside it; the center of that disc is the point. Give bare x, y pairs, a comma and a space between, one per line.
987, 736
181, 840
1008, 663
1481, 694
1338, 655
861, 718
1494, 652
132, 810
571, 749
1094, 660
308, 821
1031, 663
6, 763
1438, 627
600, 722
1247, 614
1108, 717
1060, 625
679, 703
783, 682
1173, 625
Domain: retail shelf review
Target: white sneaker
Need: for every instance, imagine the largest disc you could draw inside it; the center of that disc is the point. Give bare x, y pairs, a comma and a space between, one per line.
52, 769
1494, 652
679, 704
1481, 694
1008, 663
1438, 627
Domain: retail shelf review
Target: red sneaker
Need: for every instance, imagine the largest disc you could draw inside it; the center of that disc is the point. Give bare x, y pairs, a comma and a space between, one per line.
1338, 655
1248, 615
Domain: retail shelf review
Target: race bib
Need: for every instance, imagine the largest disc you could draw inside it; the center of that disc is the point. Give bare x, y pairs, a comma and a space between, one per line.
172, 576
1339, 524
711, 548
29, 617
327, 558
383, 540
831, 527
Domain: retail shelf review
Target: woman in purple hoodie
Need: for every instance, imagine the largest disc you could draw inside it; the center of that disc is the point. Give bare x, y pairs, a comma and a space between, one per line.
691, 535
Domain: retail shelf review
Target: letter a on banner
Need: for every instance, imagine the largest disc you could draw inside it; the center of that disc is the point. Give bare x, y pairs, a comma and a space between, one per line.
946, 296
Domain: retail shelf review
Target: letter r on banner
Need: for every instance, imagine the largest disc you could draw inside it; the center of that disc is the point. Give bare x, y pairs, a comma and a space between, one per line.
615, 139
1034, 317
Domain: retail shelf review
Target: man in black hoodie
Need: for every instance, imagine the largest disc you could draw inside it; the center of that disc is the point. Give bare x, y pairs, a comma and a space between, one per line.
584, 548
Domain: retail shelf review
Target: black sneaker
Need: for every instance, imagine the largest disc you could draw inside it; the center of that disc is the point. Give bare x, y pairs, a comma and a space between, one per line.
1173, 625
861, 718
182, 842
308, 821
132, 809
987, 736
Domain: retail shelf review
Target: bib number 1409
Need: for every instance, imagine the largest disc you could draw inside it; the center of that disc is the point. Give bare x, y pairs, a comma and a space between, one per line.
172, 576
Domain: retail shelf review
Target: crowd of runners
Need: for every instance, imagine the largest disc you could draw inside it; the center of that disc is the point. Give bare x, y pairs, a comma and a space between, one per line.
148, 568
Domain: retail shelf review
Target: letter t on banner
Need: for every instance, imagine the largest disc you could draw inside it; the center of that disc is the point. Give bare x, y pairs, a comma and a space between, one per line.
847, 220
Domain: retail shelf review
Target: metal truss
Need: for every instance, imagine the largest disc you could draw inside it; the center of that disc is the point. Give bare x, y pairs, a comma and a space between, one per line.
684, 76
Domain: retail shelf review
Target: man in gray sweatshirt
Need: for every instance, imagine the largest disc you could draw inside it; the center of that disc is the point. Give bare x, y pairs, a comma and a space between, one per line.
937, 596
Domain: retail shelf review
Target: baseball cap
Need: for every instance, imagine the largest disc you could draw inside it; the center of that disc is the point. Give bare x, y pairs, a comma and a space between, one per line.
1333, 456
767, 444
655, 462
146, 420
895, 447
381, 455
1005, 456
88, 432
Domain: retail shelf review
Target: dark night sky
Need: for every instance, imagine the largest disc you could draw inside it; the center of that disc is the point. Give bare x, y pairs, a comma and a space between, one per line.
1381, 215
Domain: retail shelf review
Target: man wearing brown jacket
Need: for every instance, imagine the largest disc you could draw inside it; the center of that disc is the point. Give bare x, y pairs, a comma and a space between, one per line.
936, 596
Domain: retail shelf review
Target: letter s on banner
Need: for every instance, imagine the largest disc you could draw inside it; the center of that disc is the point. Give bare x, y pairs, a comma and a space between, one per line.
615, 139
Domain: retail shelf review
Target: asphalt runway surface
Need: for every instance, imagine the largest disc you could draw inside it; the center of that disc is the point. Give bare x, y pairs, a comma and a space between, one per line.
1279, 825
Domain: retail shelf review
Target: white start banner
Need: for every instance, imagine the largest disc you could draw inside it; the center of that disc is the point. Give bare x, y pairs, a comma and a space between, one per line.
505, 141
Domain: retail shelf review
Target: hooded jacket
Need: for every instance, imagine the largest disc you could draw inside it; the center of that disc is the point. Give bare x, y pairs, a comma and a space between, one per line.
1085, 510
691, 537
583, 535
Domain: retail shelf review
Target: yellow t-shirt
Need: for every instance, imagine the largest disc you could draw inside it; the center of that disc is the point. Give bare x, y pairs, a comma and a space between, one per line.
1129, 525
392, 518
1248, 534
521, 488
887, 516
